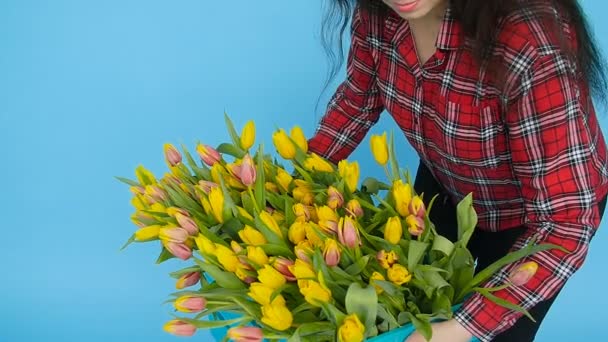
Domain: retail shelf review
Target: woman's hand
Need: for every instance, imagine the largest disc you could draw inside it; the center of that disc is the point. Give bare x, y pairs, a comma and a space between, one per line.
448, 331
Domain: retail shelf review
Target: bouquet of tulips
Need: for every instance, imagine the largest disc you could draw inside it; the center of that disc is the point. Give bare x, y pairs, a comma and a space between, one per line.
302, 253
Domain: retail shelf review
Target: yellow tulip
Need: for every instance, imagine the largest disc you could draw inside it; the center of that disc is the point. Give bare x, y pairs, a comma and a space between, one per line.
386, 259
398, 274
147, 233
393, 230
248, 135
144, 176
139, 202
417, 207
314, 293
226, 257
350, 173
284, 179
257, 255
304, 195
283, 144
297, 232
302, 270
328, 219
402, 193
270, 222
251, 236
278, 217
216, 199
351, 330
301, 211
271, 277
300, 139
376, 276
277, 316
271, 187
261, 294
236, 248
244, 213
522, 274
312, 235
314, 162
303, 250
204, 244
379, 148
245, 273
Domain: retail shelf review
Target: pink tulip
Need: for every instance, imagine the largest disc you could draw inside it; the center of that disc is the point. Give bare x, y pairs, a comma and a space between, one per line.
246, 334
179, 250
206, 186
208, 154
246, 172
353, 207
522, 274
417, 207
173, 234
334, 198
348, 235
188, 280
137, 190
190, 304
415, 225
331, 253
172, 155
156, 193
187, 223
179, 328
282, 265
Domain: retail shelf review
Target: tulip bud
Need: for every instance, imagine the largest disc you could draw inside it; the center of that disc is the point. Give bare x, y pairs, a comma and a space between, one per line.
248, 135
398, 274
284, 179
417, 207
190, 304
147, 233
271, 223
315, 293
386, 259
244, 213
251, 236
302, 270
271, 187
331, 253
172, 155
277, 316
303, 250
350, 173
393, 230
415, 225
179, 250
351, 329
348, 234
301, 211
313, 235
173, 234
208, 154
314, 162
144, 176
283, 144
257, 255
353, 208
246, 334
297, 135
245, 274
334, 198
226, 257
522, 274
206, 186
236, 248
261, 294
246, 172
204, 244
271, 277
376, 276
173, 211
303, 194
188, 280
137, 190
297, 232
379, 148
282, 265
216, 200
187, 223
328, 219
179, 328
402, 193
155, 193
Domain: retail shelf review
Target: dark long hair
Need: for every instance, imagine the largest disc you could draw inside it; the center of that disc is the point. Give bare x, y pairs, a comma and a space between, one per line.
479, 19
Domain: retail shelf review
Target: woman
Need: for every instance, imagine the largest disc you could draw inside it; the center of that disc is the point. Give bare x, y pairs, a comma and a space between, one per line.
495, 96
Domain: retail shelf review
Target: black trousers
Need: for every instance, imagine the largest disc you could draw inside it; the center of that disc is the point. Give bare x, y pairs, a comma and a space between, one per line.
486, 247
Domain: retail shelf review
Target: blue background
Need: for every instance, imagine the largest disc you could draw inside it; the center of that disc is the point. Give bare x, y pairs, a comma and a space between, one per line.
90, 89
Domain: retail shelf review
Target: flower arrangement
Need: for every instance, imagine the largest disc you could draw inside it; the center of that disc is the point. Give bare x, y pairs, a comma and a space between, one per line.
305, 253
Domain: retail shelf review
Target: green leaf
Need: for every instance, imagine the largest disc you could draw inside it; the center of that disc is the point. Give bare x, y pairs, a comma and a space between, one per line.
127, 181
358, 266
423, 326
164, 256
415, 253
388, 317
260, 181
443, 245
231, 150
236, 140
505, 303
308, 329
179, 273
215, 324
224, 308
130, 241
276, 249
393, 158
362, 301
467, 219
333, 314
224, 279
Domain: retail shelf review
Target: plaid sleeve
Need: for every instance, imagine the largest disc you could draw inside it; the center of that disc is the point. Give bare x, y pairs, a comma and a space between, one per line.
356, 105
553, 156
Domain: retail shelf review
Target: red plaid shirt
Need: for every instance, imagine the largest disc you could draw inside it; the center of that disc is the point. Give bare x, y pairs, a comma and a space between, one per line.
532, 156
